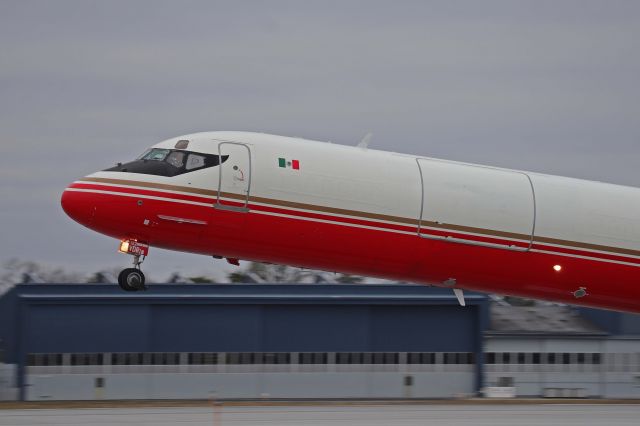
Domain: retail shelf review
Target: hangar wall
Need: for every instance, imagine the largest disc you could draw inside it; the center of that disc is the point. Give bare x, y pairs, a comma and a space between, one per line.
565, 366
304, 341
68, 341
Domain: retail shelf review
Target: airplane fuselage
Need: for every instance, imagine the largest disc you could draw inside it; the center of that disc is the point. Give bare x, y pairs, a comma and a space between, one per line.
360, 211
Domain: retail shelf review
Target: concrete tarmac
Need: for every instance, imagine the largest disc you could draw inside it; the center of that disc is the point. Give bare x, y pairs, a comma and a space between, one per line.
400, 415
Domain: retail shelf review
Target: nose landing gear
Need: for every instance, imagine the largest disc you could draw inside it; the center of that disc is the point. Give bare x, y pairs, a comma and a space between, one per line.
132, 279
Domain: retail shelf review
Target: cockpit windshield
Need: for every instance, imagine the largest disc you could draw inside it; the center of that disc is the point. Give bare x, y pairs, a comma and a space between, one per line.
169, 162
155, 154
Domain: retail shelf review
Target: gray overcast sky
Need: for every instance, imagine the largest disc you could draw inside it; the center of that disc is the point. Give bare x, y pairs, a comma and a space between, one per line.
548, 86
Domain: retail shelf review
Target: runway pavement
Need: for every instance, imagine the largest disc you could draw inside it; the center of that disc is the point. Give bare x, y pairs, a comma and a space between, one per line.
401, 415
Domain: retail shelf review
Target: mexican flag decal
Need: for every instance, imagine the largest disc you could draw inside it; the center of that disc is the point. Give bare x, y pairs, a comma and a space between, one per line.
288, 164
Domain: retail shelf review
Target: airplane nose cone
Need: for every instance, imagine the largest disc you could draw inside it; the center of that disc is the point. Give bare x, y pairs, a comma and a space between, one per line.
77, 206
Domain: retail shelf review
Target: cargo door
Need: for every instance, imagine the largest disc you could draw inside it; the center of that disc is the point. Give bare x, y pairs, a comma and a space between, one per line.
476, 205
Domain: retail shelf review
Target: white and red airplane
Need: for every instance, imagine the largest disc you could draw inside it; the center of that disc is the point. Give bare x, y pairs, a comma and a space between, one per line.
360, 211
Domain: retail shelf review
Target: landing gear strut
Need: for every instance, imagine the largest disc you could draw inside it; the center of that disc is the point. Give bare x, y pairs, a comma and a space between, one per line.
132, 279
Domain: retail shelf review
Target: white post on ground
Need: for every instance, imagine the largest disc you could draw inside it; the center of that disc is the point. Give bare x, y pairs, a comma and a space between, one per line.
217, 414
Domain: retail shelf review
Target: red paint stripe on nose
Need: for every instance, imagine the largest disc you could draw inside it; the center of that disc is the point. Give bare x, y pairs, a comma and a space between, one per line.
78, 206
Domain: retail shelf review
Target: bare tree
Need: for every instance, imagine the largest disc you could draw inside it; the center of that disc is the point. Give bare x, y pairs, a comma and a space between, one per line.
257, 272
16, 271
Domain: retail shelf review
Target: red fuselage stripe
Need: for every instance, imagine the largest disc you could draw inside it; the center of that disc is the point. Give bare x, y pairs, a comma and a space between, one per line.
180, 197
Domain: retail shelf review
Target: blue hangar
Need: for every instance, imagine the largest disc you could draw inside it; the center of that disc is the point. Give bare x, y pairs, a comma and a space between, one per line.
92, 341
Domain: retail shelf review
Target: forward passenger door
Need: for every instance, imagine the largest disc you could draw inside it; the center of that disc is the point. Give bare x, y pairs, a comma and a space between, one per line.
234, 184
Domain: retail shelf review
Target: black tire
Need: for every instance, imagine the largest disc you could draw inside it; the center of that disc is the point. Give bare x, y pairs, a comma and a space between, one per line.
122, 281
131, 279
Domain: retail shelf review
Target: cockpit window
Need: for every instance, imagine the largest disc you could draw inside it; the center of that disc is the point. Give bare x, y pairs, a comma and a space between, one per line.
176, 159
155, 154
195, 161
169, 162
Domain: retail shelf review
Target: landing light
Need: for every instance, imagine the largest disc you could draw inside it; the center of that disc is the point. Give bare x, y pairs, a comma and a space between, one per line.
557, 268
133, 247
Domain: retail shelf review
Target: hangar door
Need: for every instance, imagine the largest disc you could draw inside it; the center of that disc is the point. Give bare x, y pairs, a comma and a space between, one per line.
476, 205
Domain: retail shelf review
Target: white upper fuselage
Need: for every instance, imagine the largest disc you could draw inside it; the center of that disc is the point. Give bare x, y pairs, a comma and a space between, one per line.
319, 205
386, 183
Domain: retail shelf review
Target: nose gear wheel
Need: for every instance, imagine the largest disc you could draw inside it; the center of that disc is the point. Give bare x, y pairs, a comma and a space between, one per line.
131, 279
